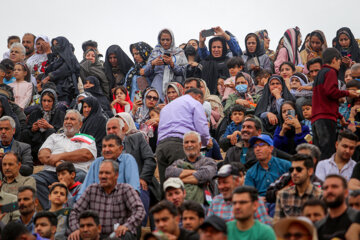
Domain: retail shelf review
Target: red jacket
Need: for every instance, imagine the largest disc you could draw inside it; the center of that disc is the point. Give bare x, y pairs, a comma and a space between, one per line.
326, 94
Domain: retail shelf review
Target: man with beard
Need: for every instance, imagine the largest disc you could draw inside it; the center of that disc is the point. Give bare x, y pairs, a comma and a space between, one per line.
28, 42
59, 147
195, 171
341, 161
112, 149
340, 216
45, 224
27, 206
290, 200
245, 203
251, 127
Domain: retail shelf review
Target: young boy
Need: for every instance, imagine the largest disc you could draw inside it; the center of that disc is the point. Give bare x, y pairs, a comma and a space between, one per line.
232, 132
58, 198
9, 76
235, 65
325, 103
306, 109
2, 73
10, 41
66, 174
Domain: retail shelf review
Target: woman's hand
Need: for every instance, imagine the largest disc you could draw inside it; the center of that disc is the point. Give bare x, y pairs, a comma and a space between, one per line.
272, 118
346, 60
309, 88
46, 47
168, 60
242, 102
45, 80
221, 33
35, 127
194, 64
293, 121
136, 105
142, 72
157, 61
276, 93
153, 122
42, 123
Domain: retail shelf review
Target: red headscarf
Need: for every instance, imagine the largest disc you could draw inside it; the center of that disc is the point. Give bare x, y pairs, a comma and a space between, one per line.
117, 106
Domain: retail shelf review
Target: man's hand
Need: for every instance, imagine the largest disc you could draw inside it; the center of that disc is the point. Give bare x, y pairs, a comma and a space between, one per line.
210, 144
74, 235
121, 230
54, 158
44, 156
143, 184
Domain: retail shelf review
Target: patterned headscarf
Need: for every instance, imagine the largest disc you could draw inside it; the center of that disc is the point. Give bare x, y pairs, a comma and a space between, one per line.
291, 45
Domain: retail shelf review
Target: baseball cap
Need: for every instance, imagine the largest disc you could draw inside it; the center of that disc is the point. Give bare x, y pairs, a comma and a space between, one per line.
281, 227
173, 182
216, 222
262, 137
227, 170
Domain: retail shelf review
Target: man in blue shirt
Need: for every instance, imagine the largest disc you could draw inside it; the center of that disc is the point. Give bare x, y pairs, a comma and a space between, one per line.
112, 150
268, 168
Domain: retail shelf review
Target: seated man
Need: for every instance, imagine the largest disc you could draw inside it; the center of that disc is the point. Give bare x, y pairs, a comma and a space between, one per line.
89, 225
291, 228
314, 209
27, 206
112, 149
174, 191
61, 147
196, 171
45, 224
354, 200
192, 215
12, 179
8, 143
115, 203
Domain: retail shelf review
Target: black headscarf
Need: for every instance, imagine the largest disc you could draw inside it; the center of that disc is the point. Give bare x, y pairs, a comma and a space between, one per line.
267, 99
65, 50
8, 112
213, 67
95, 123
124, 64
98, 94
259, 51
353, 48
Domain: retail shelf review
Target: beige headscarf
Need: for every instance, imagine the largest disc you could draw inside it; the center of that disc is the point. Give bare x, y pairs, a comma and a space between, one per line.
217, 110
129, 121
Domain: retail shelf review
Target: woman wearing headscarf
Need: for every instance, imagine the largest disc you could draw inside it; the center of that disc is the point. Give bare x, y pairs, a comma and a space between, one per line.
63, 69
37, 62
76, 103
94, 122
116, 65
91, 66
166, 62
349, 49
268, 108
135, 79
265, 41
173, 91
92, 85
317, 44
44, 120
214, 65
290, 51
255, 57
121, 102
150, 100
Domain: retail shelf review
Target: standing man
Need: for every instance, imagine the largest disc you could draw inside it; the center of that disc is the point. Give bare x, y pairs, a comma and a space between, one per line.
245, 203
290, 200
180, 116
28, 41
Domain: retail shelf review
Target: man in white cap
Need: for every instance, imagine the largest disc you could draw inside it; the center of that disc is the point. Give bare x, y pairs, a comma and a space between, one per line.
295, 228
174, 191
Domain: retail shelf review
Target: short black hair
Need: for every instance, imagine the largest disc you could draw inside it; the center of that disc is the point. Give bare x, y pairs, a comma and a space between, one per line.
235, 61
355, 193
253, 192
12, 37
343, 180
313, 61
329, 54
237, 108
162, 205
90, 214
193, 206
14, 154
89, 43
65, 166
8, 64
3, 68
195, 91
189, 80
346, 133
13, 230
238, 75
353, 83
307, 102
61, 185
24, 188
292, 66
49, 215
113, 137
308, 161
262, 73
258, 125
315, 202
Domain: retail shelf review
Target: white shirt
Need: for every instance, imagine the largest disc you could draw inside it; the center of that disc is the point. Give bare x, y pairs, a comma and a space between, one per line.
59, 143
328, 166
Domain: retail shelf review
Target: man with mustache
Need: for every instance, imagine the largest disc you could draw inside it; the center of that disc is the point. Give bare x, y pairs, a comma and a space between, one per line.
27, 207
28, 42
60, 147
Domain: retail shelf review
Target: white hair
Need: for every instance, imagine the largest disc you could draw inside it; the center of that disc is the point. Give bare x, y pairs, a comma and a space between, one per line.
355, 67
192, 133
10, 119
76, 112
120, 121
20, 46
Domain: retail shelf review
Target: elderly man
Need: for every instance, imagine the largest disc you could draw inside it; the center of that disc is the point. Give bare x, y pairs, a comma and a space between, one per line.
68, 146
17, 53
196, 171
115, 203
28, 41
8, 143
12, 179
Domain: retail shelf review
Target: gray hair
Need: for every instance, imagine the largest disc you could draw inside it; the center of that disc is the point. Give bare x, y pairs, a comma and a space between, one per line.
314, 150
355, 67
120, 121
192, 133
10, 119
114, 164
76, 112
20, 46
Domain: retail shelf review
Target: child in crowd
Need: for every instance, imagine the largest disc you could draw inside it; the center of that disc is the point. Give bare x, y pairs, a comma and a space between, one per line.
348, 76
306, 109
299, 86
235, 65
2, 73
233, 130
9, 65
261, 80
66, 174
57, 198
122, 102
22, 87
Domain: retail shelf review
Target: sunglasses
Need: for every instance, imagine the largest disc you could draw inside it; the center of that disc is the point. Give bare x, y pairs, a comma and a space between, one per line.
152, 98
298, 169
259, 144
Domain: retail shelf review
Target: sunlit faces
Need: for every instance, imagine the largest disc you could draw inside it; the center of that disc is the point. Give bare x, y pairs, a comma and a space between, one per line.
251, 44
137, 56
90, 56
86, 109
306, 111
19, 72
217, 49
295, 83
47, 103
344, 40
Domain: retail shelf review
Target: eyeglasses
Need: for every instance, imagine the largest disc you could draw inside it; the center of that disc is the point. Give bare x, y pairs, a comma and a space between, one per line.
152, 98
259, 144
298, 169
295, 235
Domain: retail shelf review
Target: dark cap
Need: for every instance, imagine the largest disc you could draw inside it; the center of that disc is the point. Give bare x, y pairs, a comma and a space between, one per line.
216, 222
227, 170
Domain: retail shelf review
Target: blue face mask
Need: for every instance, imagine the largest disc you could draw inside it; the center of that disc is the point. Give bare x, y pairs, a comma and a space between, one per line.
241, 88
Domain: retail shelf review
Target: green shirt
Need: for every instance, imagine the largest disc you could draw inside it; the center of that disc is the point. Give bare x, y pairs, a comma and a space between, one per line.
258, 231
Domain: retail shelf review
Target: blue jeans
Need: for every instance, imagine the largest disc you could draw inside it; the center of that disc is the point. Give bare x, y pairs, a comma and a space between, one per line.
145, 199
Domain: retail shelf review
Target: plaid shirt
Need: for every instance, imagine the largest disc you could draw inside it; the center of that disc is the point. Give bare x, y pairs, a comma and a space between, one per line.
222, 208
122, 205
288, 201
